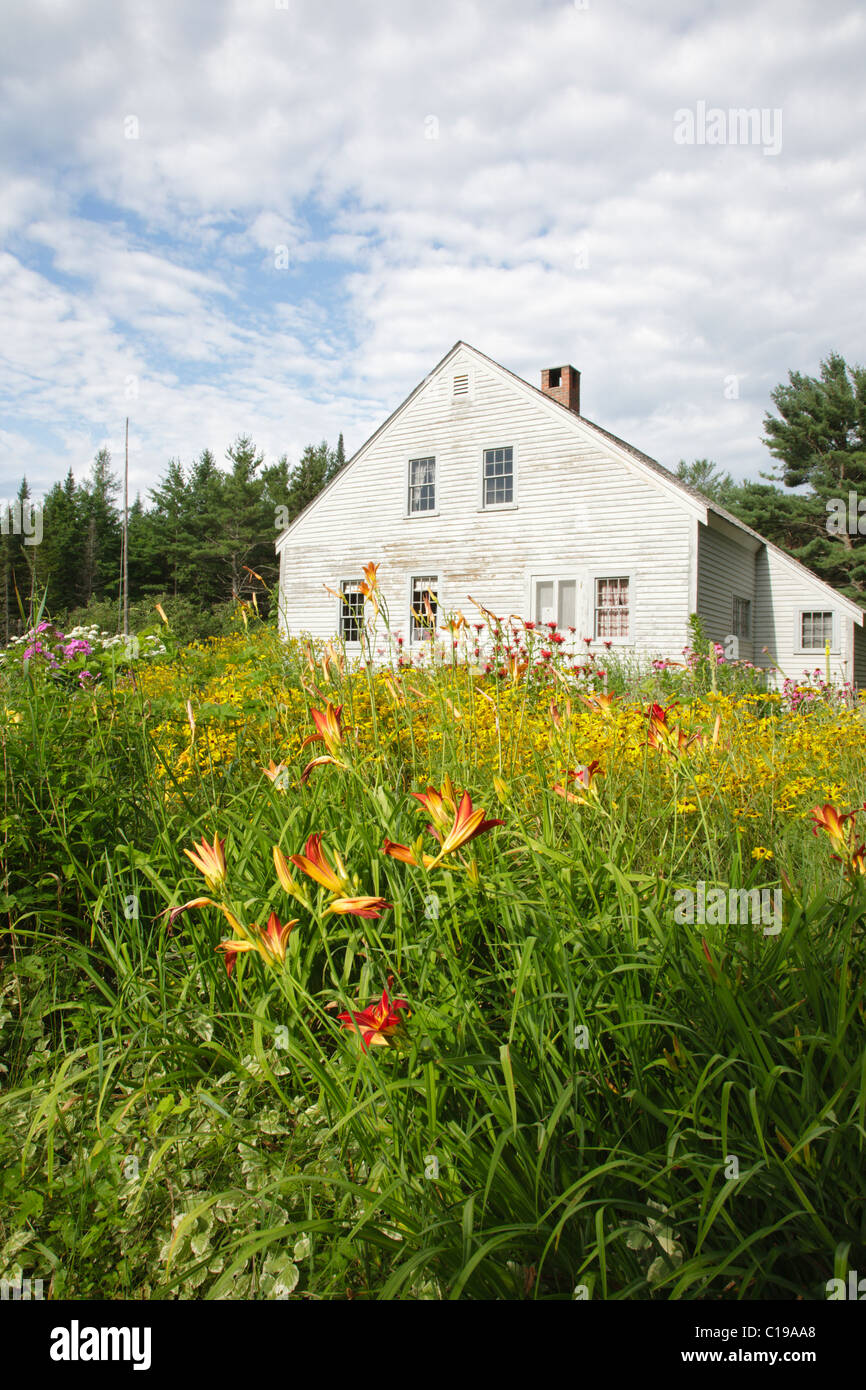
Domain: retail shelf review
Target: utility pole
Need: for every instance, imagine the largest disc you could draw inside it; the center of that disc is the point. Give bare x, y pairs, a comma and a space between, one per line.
125, 546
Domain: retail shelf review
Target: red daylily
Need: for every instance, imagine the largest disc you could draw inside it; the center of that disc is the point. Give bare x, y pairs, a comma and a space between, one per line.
584, 777
468, 823
334, 877
668, 738
441, 806
379, 1022
454, 824
314, 863
840, 826
270, 942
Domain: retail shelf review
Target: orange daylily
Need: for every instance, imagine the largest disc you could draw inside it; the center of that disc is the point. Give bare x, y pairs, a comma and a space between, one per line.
585, 777
454, 623
360, 907
468, 823
839, 825
453, 825
270, 942
285, 878
515, 669
334, 877
601, 704
331, 657
329, 730
314, 863
370, 586
556, 717
441, 806
668, 738
210, 860
172, 913
376, 1024
409, 854
277, 773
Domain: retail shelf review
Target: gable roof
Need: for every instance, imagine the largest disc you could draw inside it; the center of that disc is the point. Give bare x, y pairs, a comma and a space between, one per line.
693, 500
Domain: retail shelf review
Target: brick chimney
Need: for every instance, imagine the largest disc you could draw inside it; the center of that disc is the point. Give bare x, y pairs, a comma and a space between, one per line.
563, 384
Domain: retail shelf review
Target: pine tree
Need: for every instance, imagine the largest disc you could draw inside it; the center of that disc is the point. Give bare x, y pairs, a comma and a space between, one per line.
62, 546
819, 437
170, 529
705, 476
102, 531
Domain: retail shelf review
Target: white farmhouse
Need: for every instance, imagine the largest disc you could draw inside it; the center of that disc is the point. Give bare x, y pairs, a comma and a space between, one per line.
480, 484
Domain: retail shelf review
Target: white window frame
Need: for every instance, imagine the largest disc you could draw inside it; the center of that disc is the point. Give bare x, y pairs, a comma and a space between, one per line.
743, 636
417, 458
560, 577
498, 506
433, 582
342, 585
799, 649
596, 579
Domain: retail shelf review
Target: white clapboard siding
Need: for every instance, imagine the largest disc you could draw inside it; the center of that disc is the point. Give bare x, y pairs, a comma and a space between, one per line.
726, 570
784, 590
587, 507
582, 513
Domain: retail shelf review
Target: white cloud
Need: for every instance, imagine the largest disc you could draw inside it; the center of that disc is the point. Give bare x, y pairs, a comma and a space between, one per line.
552, 219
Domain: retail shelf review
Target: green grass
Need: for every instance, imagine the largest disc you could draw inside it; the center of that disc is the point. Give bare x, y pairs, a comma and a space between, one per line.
586, 1097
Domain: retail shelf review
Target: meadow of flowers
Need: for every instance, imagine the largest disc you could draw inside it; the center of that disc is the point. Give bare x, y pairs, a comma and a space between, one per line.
364, 979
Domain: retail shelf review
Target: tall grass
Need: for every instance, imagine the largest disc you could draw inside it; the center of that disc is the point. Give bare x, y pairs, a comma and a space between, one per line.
588, 1098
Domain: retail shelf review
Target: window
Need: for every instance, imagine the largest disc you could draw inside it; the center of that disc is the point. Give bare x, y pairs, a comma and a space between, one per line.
425, 606
556, 602
498, 477
816, 630
742, 618
611, 607
351, 610
554, 377
422, 485
460, 385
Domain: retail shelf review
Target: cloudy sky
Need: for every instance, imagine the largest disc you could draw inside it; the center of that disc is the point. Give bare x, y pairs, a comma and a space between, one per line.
274, 216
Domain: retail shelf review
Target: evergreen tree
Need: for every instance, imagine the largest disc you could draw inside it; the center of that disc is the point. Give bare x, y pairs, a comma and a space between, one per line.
62, 546
244, 529
819, 438
705, 476
102, 531
169, 534
205, 521
317, 466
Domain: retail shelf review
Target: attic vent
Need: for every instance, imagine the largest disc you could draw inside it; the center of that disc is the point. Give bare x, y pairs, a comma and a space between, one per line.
461, 384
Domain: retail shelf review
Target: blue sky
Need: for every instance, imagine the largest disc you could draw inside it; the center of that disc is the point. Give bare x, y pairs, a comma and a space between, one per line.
505, 173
